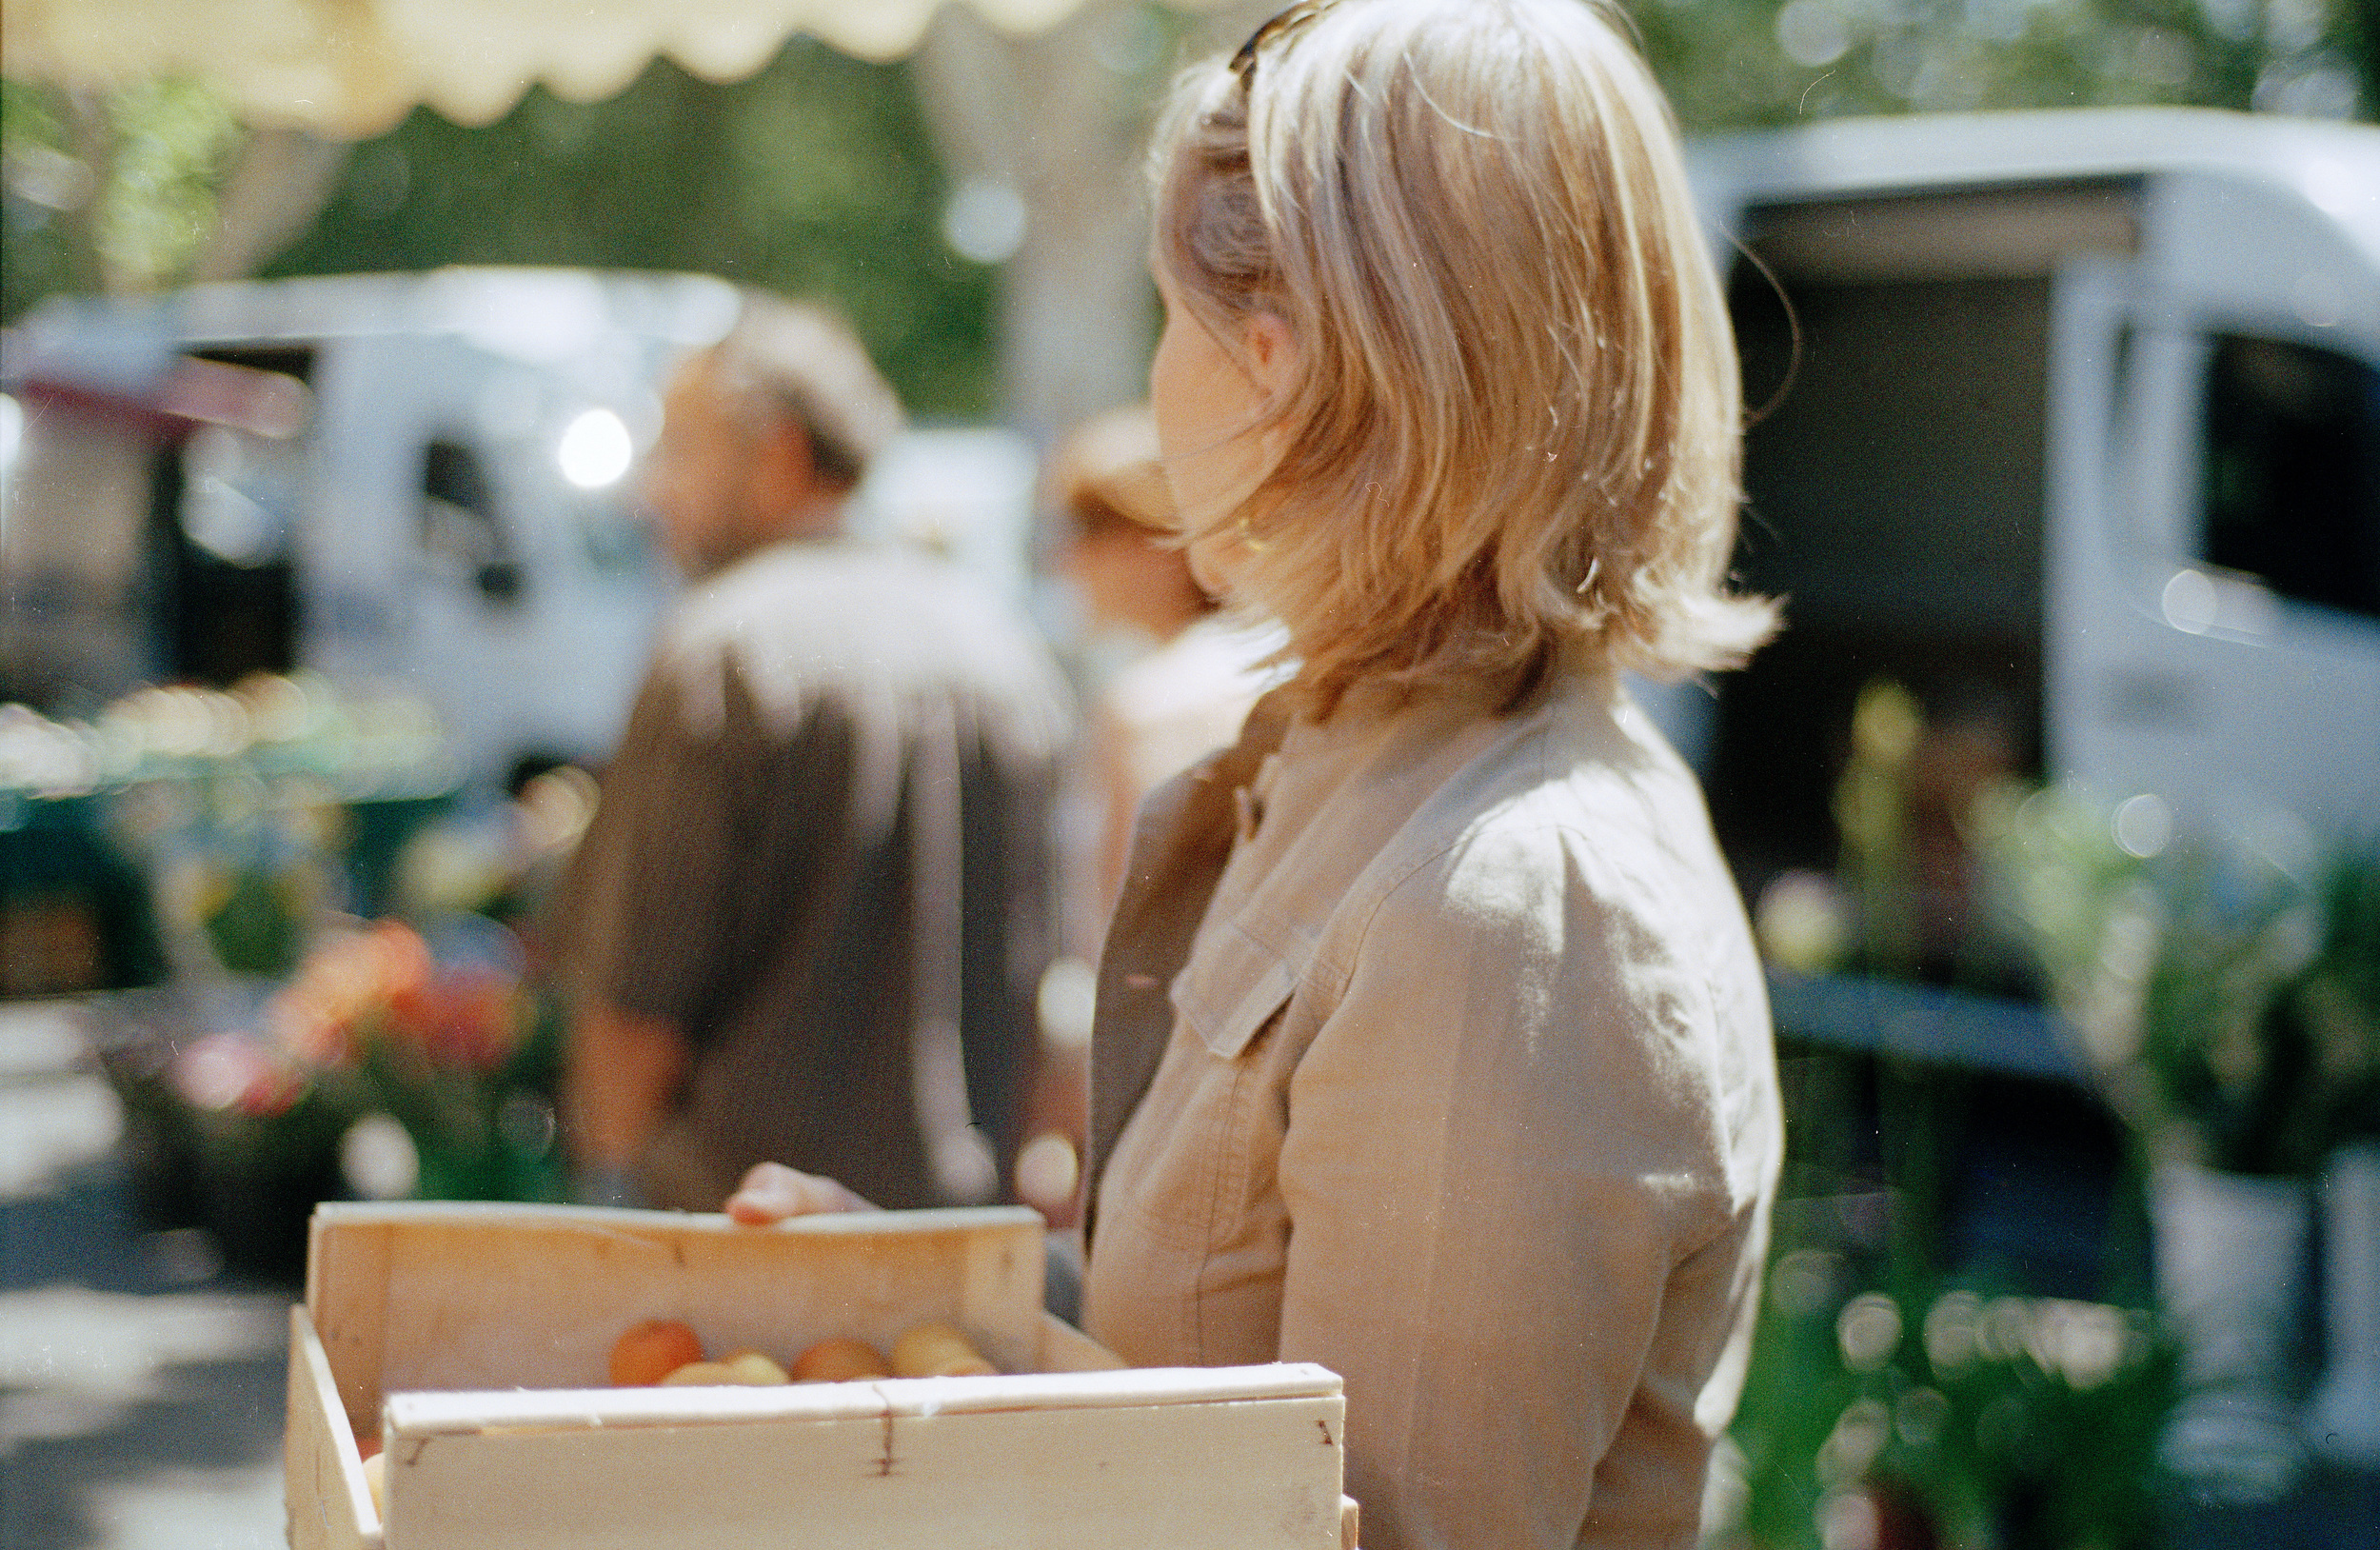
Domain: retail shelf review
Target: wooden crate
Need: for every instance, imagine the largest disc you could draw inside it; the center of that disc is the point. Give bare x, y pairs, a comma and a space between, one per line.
474, 1339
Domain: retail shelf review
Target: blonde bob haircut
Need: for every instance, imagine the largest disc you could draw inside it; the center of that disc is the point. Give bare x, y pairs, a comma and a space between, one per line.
1511, 423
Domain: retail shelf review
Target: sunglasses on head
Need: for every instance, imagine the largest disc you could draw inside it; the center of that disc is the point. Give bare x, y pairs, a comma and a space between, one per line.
1274, 31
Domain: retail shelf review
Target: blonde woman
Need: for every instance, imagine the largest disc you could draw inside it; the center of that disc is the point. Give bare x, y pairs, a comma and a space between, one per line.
1431, 1041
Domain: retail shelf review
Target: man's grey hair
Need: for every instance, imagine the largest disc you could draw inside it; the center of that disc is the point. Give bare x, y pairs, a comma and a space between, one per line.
798, 361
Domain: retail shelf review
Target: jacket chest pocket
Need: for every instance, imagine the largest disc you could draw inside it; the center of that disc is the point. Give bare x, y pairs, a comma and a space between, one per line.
1198, 1156
1231, 987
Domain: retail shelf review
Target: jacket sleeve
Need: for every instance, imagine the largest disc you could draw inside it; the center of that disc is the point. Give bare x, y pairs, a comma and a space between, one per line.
1502, 1144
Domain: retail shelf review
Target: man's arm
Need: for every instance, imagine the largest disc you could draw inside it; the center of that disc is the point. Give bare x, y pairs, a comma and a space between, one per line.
638, 918
621, 1076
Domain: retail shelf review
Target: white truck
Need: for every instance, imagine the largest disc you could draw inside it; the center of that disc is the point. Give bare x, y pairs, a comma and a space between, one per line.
407, 483
2080, 445
414, 483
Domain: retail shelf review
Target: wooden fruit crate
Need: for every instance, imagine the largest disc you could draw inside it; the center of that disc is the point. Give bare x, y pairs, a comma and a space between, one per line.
474, 1340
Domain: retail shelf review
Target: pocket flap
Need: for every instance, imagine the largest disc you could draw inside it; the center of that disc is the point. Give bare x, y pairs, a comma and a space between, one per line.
1231, 987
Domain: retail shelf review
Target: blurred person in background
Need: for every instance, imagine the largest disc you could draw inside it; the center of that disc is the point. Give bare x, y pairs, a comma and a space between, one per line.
1175, 676
808, 916
1189, 672
1431, 1045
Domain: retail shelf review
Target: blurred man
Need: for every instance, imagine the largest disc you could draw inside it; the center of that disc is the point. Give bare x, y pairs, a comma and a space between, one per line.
807, 919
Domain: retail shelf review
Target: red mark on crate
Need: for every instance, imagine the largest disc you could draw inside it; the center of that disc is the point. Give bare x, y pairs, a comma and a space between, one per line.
884, 1464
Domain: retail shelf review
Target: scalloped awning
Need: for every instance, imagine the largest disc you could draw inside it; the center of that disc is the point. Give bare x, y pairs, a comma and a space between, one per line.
348, 69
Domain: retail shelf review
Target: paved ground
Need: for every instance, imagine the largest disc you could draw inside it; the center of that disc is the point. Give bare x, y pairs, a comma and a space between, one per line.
140, 1387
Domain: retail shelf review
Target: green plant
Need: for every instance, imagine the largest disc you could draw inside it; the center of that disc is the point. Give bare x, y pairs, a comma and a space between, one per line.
2224, 987
1950, 1416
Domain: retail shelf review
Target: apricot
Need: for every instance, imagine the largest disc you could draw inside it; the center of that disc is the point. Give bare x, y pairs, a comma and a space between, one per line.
746, 1369
840, 1360
376, 1480
651, 1351
935, 1350
700, 1374
755, 1368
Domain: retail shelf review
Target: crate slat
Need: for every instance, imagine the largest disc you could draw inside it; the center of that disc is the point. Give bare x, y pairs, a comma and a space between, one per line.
330, 1507
1185, 1474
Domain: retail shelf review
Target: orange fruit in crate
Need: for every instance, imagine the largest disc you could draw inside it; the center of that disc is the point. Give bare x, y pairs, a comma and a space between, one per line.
651, 1351
376, 1480
937, 1350
701, 1375
840, 1360
747, 1370
754, 1367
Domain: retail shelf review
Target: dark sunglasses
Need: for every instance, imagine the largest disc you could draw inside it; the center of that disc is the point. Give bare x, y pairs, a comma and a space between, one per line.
1279, 29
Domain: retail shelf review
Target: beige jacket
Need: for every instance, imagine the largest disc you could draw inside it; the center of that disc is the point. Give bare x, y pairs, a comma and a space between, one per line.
1433, 1047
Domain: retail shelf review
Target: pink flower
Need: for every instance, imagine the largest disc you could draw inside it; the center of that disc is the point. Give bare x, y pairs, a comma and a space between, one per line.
465, 1017
236, 1070
350, 979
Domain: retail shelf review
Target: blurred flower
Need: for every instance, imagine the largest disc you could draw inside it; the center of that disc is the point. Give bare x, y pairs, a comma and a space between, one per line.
497, 859
438, 1035
380, 991
1868, 1330
345, 988
1860, 1432
454, 867
1803, 1282
238, 1072
468, 1019
1951, 1330
378, 1159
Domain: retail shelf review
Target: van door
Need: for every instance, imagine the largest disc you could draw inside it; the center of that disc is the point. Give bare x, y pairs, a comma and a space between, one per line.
1896, 353
455, 565
227, 509
2214, 508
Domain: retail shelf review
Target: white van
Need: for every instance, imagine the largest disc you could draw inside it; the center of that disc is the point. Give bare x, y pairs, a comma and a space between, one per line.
2075, 435
409, 482
412, 483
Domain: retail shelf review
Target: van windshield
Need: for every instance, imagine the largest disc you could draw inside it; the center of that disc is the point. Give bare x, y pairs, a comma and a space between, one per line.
2290, 478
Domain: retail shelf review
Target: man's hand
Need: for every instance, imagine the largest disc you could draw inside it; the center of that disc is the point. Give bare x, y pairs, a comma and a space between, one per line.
771, 1192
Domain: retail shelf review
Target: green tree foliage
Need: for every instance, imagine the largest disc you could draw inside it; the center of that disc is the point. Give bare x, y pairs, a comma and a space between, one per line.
112, 192
813, 177
1732, 63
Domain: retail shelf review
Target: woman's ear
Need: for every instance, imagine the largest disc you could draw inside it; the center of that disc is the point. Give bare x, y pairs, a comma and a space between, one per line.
1271, 354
